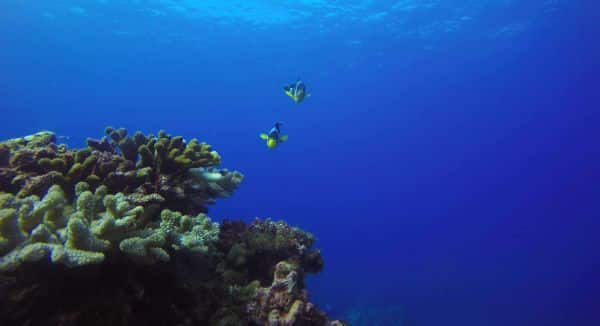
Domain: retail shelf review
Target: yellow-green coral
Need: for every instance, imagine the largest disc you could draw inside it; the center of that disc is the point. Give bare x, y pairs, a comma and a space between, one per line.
9, 232
40, 138
192, 233
168, 154
146, 250
163, 153
139, 164
56, 253
36, 229
118, 220
33, 229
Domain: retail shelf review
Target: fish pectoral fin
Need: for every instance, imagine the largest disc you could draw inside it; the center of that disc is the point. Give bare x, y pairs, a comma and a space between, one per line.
264, 136
283, 138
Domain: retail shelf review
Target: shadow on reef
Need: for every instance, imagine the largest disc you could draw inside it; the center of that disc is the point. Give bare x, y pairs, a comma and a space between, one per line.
115, 234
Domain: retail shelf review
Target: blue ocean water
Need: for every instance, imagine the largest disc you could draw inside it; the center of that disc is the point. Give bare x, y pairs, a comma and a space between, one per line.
447, 160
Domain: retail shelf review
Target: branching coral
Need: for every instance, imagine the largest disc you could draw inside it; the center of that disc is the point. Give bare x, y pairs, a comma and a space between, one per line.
164, 153
32, 229
101, 233
145, 166
194, 233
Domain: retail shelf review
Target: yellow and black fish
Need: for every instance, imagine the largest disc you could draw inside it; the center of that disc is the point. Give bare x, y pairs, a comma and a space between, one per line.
296, 91
274, 137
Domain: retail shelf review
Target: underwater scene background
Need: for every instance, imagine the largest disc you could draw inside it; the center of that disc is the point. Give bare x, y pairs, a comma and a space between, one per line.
446, 160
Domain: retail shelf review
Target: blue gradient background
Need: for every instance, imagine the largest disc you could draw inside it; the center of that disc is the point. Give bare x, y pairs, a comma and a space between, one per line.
448, 166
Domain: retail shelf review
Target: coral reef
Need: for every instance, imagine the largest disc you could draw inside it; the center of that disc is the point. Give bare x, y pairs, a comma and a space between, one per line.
118, 230
164, 170
190, 288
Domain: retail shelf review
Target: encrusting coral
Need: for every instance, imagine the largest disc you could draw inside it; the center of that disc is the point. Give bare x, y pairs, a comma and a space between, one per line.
118, 230
251, 247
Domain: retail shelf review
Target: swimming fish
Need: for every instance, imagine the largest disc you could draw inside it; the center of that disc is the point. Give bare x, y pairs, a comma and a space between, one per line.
297, 91
274, 136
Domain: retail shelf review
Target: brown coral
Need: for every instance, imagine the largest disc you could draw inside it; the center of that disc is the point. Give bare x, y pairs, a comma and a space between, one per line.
157, 166
250, 249
284, 303
164, 153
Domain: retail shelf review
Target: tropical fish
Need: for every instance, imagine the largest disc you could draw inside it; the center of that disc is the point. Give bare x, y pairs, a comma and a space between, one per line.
296, 91
274, 137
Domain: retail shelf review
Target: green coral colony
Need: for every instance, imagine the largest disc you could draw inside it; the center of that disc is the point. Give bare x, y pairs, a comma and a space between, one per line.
143, 199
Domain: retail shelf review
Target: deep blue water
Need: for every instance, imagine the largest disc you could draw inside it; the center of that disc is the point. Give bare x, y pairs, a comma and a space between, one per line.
447, 160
